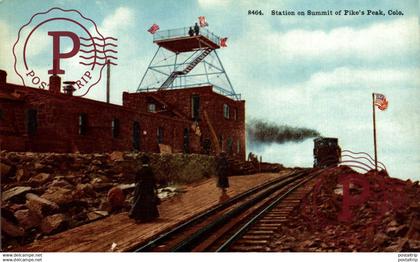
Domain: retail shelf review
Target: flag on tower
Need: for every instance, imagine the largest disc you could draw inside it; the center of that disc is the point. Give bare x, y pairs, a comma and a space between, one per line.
202, 21
153, 29
223, 41
381, 102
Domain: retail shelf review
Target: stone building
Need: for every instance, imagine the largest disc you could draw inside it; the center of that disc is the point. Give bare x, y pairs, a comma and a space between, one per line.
171, 120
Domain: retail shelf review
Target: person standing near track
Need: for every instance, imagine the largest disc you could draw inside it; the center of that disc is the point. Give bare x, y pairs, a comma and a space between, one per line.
145, 199
222, 172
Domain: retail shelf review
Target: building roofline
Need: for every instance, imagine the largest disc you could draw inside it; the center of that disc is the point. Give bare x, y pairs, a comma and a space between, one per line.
89, 100
209, 87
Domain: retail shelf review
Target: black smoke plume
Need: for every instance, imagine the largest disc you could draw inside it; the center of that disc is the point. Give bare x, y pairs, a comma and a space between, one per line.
261, 132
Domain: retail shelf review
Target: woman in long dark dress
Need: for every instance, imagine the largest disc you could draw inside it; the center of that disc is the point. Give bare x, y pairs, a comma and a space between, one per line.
145, 197
223, 172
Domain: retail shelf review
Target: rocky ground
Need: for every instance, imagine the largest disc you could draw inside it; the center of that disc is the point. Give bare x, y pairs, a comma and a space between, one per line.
379, 213
43, 194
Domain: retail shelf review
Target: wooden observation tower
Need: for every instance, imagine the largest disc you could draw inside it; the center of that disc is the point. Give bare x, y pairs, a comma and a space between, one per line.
183, 61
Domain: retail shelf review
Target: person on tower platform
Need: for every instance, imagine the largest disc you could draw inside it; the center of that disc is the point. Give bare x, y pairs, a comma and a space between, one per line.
191, 31
196, 29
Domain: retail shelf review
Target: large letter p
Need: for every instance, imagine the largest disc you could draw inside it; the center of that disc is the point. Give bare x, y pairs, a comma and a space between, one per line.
350, 200
56, 49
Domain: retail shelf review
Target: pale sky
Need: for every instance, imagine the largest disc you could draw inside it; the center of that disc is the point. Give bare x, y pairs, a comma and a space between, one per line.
307, 71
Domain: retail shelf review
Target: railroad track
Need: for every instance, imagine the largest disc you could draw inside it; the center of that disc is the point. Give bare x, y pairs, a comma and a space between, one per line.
243, 223
256, 234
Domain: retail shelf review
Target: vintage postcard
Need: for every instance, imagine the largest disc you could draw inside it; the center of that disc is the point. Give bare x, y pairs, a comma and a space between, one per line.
210, 126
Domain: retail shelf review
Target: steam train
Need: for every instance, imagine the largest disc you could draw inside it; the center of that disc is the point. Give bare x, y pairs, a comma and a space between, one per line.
327, 152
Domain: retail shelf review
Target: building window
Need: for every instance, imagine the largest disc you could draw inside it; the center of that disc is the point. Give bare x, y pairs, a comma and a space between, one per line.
221, 142
195, 107
238, 146
160, 135
229, 145
136, 135
186, 144
207, 146
83, 124
151, 107
235, 114
226, 111
115, 125
32, 121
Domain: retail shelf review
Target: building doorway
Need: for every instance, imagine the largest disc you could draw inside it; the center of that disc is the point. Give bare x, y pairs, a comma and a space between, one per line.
186, 143
136, 135
195, 107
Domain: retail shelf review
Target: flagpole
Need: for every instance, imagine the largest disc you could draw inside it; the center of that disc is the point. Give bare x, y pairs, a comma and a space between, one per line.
374, 131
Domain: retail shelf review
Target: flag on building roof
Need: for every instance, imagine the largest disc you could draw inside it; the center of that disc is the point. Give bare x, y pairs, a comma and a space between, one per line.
202, 21
223, 41
153, 29
381, 102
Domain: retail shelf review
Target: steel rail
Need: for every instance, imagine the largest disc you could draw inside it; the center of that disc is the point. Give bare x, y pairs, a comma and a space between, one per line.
200, 217
242, 230
188, 243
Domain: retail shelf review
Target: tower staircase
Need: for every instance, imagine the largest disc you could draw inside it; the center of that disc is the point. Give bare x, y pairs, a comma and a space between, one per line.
190, 67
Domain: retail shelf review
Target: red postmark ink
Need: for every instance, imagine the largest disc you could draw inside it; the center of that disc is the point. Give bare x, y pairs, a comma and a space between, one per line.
62, 42
350, 200
382, 194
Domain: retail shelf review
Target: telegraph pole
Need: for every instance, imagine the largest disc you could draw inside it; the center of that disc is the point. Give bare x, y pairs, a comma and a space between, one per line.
108, 77
374, 131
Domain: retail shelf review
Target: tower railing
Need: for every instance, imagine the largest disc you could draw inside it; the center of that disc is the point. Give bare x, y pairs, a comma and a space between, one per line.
181, 32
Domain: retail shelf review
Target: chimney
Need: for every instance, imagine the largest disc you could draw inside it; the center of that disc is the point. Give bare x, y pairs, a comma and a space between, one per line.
55, 84
3, 78
69, 88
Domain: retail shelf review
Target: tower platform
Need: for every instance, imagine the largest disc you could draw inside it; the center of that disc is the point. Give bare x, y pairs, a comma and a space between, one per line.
178, 40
